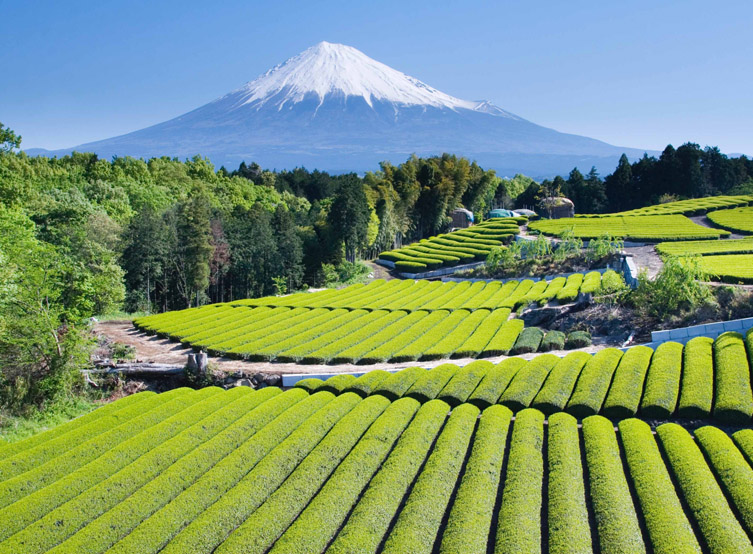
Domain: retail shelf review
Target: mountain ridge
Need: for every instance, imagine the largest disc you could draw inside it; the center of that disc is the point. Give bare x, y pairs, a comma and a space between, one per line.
333, 108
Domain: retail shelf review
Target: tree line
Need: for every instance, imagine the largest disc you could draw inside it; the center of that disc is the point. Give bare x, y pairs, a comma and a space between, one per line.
686, 172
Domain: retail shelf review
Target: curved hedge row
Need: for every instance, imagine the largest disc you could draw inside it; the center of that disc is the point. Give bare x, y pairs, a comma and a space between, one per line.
459, 247
383, 321
278, 472
645, 228
739, 220
704, 379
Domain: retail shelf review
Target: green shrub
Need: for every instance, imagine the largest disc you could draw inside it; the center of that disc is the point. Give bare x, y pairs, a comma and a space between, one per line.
668, 526
697, 383
96, 488
464, 382
678, 286
528, 341
370, 520
207, 530
430, 384
411, 267
593, 383
732, 470
570, 291
217, 436
560, 383
73, 428
591, 282
277, 512
338, 383
317, 524
519, 528
721, 531
527, 382
495, 382
626, 390
397, 384
614, 512
447, 345
415, 324
470, 517
367, 383
663, 382
568, 526
273, 423
419, 522
578, 339
553, 340
733, 401
22, 476
311, 384
480, 338
504, 339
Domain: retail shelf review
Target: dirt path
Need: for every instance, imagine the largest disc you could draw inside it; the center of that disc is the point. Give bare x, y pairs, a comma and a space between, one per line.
380, 272
706, 222
156, 350
645, 257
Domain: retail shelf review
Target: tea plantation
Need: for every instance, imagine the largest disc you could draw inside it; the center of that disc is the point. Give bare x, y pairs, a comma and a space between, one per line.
382, 321
442, 460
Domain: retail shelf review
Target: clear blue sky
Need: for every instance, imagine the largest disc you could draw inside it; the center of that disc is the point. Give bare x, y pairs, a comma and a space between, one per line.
641, 73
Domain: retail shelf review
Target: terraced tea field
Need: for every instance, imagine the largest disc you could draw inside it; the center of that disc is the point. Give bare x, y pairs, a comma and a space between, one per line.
645, 228
382, 321
706, 247
730, 268
694, 206
292, 472
704, 379
459, 247
739, 220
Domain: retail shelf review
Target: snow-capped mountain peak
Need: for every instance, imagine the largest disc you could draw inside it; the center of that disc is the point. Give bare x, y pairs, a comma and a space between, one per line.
341, 70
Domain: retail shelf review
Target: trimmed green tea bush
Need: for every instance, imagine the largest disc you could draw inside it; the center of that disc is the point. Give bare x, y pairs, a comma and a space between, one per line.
697, 383
721, 531
569, 529
663, 382
469, 521
733, 401
528, 341
553, 340
519, 527
668, 526
616, 519
578, 339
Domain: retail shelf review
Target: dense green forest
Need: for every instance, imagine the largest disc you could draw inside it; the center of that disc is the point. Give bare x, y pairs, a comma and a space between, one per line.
82, 236
686, 172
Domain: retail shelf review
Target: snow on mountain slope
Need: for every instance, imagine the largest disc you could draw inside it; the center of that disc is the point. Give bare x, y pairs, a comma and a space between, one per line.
336, 69
333, 108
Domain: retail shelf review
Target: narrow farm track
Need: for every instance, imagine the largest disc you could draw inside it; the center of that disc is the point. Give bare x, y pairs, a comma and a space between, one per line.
313, 473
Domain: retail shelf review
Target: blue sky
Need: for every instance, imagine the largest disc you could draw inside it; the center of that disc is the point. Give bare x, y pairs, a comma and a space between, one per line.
639, 74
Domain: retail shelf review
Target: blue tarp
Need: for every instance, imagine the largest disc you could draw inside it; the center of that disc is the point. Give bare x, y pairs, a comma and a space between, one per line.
501, 213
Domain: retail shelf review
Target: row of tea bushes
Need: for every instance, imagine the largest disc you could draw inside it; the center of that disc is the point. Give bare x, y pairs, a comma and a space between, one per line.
278, 472
705, 378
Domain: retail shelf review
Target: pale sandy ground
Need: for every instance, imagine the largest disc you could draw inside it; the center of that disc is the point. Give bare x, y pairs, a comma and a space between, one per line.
152, 349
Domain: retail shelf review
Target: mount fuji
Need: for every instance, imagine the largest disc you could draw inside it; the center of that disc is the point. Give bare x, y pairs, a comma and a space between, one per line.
333, 108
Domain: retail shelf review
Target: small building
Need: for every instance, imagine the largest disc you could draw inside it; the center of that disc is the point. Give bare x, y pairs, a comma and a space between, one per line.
462, 218
557, 207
